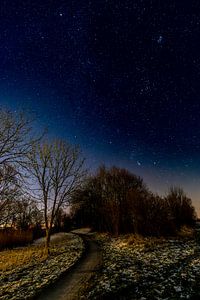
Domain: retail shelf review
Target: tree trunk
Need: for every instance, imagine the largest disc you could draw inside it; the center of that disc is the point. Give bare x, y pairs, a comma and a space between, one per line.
48, 235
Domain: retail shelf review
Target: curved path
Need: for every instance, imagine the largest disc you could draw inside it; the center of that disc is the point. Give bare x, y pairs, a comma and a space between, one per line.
69, 286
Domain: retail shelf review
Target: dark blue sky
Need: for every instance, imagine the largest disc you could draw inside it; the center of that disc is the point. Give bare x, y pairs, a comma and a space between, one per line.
120, 78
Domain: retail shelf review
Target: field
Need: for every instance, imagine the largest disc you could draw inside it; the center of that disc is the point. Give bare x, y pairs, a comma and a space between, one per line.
147, 268
25, 271
134, 267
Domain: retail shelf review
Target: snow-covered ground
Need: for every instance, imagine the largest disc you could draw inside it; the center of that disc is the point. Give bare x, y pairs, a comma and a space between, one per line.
148, 269
54, 237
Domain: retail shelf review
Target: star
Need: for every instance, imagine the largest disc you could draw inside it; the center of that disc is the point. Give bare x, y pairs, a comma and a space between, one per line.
160, 39
95, 82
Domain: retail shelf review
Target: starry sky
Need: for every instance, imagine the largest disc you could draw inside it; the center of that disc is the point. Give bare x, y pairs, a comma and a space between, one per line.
119, 78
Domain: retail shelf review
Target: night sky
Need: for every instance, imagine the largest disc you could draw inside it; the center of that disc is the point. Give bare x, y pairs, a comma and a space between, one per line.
119, 78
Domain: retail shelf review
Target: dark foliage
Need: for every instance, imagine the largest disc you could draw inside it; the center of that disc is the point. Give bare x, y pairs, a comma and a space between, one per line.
117, 201
62, 222
11, 238
180, 206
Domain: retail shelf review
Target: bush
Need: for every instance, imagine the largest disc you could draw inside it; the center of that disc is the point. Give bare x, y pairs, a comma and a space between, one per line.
12, 238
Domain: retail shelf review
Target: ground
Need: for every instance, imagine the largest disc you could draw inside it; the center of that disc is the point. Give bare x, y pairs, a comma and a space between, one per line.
147, 268
25, 271
132, 267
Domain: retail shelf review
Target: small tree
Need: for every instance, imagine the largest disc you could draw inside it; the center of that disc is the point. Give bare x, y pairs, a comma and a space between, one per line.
57, 168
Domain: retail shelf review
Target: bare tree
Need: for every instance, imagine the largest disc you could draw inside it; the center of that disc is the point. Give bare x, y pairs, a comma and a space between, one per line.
15, 137
102, 202
26, 214
180, 206
9, 186
15, 143
58, 169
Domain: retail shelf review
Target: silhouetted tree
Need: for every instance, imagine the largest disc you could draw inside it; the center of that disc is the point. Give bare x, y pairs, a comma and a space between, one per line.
150, 214
10, 188
180, 206
26, 213
102, 202
16, 139
57, 168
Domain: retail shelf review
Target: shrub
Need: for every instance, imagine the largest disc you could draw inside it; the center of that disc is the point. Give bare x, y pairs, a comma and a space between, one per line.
11, 238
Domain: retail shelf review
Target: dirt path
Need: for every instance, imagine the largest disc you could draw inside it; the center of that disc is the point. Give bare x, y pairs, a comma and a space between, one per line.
69, 287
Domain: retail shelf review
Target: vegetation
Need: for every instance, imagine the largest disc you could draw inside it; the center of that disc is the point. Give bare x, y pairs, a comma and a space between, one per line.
21, 257
57, 170
16, 139
117, 201
36, 179
135, 267
26, 271
40, 179
11, 238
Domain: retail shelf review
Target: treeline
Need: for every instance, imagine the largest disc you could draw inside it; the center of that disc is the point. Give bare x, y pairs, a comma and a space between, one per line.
23, 223
117, 201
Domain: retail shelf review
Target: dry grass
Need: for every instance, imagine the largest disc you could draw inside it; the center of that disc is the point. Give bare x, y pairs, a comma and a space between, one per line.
34, 254
151, 243
186, 232
10, 238
11, 259
132, 240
